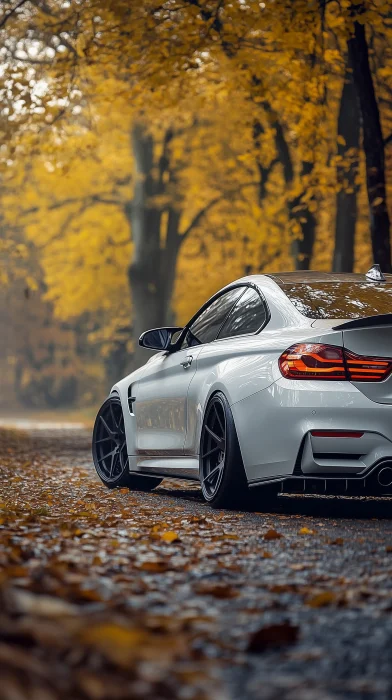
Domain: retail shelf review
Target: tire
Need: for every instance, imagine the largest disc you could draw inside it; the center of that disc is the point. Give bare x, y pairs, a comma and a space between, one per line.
109, 448
222, 474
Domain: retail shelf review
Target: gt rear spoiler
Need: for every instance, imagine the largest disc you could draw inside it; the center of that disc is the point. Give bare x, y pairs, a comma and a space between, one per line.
381, 320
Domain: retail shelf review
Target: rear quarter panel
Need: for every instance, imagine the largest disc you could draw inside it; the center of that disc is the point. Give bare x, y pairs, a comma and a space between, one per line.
241, 367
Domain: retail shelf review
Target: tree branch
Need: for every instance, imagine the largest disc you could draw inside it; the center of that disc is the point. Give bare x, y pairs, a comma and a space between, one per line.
388, 140
87, 201
196, 219
11, 12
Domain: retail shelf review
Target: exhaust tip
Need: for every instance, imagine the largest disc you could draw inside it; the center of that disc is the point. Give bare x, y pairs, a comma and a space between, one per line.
384, 476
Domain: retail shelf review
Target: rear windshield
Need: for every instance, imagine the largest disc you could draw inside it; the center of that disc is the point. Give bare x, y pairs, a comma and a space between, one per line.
340, 299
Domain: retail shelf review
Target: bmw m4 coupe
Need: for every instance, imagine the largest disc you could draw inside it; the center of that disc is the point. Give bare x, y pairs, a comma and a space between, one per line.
280, 381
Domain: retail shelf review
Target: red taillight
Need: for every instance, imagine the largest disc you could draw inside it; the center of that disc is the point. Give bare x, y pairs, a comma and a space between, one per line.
317, 361
312, 361
367, 369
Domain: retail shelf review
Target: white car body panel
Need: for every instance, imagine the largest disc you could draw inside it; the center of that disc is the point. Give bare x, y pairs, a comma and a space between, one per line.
273, 415
161, 416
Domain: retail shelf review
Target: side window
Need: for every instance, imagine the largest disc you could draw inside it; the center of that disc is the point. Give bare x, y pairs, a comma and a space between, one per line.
206, 327
248, 315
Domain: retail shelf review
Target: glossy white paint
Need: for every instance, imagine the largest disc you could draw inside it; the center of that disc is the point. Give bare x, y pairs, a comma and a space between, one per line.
372, 342
272, 424
161, 413
273, 415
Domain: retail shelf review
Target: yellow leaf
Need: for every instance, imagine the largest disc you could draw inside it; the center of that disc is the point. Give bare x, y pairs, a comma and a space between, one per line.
170, 536
116, 642
321, 600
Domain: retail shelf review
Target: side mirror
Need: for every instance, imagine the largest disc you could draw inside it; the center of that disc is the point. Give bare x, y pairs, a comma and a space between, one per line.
158, 338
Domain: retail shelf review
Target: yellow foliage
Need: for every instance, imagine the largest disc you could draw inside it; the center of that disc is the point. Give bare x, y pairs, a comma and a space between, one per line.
226, 84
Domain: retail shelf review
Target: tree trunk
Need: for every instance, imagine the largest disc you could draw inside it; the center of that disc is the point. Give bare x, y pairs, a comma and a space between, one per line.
372, 142
347, 171
152, 269
302, 248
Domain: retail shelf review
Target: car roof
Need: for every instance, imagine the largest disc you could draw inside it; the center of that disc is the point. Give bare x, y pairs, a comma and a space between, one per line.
307, 276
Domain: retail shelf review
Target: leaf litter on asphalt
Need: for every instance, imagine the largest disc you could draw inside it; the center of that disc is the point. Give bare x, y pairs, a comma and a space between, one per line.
114, 594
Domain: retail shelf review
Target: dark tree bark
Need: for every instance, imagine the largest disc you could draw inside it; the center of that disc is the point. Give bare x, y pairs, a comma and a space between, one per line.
152, 269
347, 171
373, 144
302, 247
156, 237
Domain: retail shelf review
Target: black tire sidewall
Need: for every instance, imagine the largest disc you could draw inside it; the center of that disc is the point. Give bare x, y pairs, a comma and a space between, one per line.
126, 479
122, 479
233, 487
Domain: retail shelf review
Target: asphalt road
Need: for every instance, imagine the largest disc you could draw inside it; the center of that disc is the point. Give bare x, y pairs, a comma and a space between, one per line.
291, 603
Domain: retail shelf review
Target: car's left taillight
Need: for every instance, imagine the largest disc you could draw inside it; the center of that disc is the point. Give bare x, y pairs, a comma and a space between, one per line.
329, 362
366, 369
313, 361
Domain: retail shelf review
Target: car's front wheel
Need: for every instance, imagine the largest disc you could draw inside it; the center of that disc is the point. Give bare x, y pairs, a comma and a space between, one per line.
222, 475
110, 452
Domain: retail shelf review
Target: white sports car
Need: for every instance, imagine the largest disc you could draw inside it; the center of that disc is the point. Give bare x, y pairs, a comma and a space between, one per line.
279, 381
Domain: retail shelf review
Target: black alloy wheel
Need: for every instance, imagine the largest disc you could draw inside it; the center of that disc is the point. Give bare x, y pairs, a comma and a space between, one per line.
110, 452
222, 474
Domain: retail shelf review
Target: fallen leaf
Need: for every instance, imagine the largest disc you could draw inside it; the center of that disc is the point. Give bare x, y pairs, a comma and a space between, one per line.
156, 566
338, 541
40, 605
116, 642
217, 590
170, 536
272, 535
159, 527
273, 636
321, 600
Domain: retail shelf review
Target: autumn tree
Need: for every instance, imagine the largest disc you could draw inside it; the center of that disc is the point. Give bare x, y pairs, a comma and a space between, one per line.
165, 140
373, 141
347, 168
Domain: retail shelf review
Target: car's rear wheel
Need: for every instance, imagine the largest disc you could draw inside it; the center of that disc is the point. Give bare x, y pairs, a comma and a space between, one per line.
222, 475
110, 452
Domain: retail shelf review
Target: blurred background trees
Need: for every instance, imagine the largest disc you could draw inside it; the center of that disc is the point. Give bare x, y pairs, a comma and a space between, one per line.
154, 151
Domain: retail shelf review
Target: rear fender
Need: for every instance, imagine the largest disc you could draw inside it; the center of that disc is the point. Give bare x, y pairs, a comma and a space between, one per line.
239, 368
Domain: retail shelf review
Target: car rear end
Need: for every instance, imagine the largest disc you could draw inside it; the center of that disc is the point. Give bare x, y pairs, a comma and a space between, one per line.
327, 420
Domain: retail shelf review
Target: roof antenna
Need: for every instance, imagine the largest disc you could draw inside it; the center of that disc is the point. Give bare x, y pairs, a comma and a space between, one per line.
375, 274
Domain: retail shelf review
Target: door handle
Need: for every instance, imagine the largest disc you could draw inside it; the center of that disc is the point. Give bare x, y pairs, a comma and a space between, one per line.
187, 362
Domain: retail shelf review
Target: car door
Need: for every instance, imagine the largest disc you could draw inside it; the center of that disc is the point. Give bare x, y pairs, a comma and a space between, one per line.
161, 402
237, 335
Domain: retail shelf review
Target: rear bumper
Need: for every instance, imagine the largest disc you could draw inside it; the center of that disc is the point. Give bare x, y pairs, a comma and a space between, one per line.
376, 481
274, 431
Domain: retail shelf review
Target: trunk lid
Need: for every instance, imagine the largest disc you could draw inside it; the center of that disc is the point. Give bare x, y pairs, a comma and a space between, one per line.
370, 337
